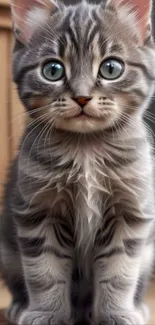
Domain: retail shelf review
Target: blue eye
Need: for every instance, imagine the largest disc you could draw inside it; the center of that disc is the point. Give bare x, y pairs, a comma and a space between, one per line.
111, 69
53, 70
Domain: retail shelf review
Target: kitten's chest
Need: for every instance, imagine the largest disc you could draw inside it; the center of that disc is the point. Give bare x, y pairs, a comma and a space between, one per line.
81, 199
92, 190
84, 190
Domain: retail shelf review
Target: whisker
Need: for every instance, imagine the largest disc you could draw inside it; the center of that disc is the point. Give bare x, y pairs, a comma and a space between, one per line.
29, 124
41, 119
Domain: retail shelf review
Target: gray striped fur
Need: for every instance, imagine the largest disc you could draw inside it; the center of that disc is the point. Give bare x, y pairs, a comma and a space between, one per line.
78, 217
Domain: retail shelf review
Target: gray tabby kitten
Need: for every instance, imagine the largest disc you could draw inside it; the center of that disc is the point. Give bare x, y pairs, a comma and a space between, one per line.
78, 219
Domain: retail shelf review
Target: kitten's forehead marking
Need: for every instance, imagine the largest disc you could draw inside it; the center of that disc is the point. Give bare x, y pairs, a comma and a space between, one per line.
66, 56
73, 25
96, 55
116, 47
93, 25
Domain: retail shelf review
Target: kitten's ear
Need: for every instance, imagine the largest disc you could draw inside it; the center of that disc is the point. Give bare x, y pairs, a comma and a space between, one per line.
28, 15
142, 10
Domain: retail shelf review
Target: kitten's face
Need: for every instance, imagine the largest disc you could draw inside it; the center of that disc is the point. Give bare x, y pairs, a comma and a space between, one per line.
87, 69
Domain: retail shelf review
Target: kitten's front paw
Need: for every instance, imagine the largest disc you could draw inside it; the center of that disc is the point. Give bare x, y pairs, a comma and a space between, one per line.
13, 311
130, 318
41, 318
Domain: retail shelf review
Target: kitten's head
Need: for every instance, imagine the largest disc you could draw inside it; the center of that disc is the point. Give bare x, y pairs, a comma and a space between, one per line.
85, 67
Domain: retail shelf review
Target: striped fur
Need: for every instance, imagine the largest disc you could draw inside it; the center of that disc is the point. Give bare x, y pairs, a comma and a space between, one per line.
78, 219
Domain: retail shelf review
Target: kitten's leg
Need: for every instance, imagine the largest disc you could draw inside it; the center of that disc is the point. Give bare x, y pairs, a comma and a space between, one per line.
12, 275
47, 263
117, 263
12, 272
144, 277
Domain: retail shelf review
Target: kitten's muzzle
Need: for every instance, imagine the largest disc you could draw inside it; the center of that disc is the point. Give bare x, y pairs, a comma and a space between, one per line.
82, 101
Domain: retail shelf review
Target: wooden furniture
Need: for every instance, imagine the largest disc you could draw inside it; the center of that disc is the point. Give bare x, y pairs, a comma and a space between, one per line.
2, 319
11, 121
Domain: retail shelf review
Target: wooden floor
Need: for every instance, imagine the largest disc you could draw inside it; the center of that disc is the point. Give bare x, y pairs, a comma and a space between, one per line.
150, 298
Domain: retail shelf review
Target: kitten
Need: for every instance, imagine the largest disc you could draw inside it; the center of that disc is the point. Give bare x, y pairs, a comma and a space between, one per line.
78, 221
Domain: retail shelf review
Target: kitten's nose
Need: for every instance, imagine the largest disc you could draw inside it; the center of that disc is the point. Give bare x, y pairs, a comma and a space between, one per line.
82, 101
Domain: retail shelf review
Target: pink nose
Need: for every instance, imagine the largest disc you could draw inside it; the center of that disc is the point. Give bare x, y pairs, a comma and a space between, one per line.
82, 101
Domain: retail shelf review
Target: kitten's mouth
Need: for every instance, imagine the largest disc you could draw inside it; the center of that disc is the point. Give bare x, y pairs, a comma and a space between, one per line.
82, 115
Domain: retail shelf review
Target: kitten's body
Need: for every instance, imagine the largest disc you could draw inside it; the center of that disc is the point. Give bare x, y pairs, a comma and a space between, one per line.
80, 205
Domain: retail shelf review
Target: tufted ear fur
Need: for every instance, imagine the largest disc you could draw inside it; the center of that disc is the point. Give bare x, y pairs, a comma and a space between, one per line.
27, 15
142, 10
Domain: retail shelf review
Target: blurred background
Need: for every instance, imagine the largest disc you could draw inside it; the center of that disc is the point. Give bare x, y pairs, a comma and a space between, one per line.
12, 120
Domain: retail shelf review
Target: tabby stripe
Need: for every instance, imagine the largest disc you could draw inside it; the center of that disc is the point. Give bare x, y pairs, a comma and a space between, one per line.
92, 34
65, 241
62, 41
139, 92
24, 70
119, 284
58, 237
110, 219
106, 239
132, 220
66, 21
89, 29
132, 246
67, 230
38, 284
114, 251
95, 16
117, 48
127, 83
56, 252
142, 67
116, 282
105, 281
30, 220
32, 247
74, 25
73, 39
103, 50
